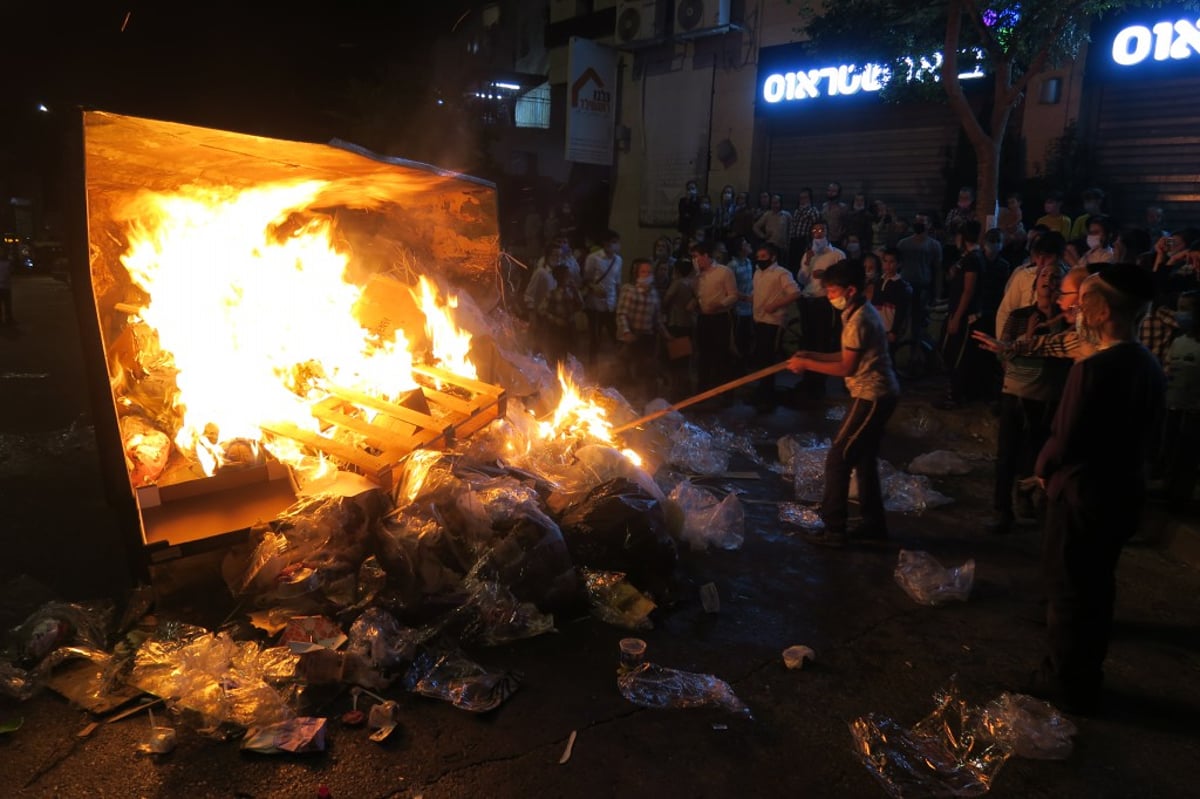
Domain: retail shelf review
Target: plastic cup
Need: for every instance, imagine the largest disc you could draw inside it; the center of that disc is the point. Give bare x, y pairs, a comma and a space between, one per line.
633, 650
162, 740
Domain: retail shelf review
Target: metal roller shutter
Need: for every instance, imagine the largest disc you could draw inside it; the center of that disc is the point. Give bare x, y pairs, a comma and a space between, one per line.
906, 167
1147, 148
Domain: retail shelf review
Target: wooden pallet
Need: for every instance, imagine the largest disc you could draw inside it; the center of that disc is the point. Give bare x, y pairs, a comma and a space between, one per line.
399, 428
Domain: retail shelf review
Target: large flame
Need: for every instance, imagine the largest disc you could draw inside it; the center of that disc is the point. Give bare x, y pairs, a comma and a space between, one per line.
450, 344
248, 294
576, 417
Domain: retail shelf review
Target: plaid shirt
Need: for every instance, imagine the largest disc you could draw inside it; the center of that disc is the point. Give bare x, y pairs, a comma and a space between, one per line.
560, 304
637, 311
803, 220
1157, 332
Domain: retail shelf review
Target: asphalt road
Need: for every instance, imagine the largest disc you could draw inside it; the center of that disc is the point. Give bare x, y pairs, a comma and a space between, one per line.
877, 650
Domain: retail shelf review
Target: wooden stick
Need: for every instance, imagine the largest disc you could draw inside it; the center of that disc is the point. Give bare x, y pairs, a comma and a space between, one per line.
712, 392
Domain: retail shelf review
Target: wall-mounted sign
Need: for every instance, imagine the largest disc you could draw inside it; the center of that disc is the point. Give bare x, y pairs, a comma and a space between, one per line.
795, 85
1160, 42
591, 101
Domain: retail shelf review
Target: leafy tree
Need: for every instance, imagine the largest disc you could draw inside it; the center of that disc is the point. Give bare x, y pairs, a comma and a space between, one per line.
1014, 41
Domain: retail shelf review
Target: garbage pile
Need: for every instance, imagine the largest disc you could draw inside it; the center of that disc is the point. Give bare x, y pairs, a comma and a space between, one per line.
471, 548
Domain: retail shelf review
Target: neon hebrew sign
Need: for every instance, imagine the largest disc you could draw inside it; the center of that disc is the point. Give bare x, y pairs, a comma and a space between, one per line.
1161, 42
846, 79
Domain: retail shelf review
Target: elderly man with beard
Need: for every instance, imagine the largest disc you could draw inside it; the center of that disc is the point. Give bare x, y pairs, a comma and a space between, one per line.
1092, 468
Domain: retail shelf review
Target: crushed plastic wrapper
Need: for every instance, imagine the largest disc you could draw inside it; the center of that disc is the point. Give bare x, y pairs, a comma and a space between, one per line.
1035, 729
835, 413
940, 462
694, 450
452, 677
930, 583
614, 601
383, 642
654, 686
910, 493
494, 616
706, 520
789, 448
217, 679
949, 753
800, 515
298, 735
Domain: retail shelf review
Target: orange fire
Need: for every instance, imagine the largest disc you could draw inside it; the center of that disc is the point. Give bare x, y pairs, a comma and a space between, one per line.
247, 292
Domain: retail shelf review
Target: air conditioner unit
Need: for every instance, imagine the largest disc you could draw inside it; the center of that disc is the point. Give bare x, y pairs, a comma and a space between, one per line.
701, 17
641, 22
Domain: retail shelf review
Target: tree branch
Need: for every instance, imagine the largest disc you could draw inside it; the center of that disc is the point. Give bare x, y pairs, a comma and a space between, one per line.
1038, 63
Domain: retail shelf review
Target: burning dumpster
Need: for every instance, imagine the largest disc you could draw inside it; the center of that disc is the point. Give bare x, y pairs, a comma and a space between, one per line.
257, 313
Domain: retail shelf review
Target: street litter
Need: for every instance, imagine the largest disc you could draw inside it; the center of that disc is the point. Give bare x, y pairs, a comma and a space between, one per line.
653, 686
297, 736
794, 657
566, 755
929, 583
11, 726
633, 652
383, 720
614, 601
707, 521
800, 516
939, 463
694, 450
836, 413
958, 749
162, 738
710, 598
452, 677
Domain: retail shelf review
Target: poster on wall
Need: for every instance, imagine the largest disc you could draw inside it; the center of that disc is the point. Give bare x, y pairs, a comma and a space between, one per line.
591, 102
675, 146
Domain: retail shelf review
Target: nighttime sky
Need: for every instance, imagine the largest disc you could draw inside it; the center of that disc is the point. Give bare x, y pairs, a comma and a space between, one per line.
264, 67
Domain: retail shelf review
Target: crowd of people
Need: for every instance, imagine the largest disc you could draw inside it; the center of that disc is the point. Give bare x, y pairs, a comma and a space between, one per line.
1077, 332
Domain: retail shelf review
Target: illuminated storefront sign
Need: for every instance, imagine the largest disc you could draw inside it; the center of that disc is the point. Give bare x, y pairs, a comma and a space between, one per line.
846, 79
1162, 41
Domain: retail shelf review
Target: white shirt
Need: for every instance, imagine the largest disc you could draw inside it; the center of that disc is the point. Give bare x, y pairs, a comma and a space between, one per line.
1098, 255
716, 289
813, 287
770, 286
541, 283
601, 276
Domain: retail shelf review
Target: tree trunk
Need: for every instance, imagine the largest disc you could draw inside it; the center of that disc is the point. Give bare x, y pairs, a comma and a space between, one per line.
987, 157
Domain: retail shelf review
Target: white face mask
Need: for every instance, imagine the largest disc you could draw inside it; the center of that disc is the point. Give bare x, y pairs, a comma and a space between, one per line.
839, 302
820, 245
1093, 242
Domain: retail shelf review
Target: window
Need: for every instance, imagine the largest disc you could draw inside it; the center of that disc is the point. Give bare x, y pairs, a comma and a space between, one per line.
533, 108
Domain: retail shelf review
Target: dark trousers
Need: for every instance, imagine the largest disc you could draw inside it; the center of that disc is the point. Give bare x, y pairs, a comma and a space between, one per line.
821, 328
1182, 450
712, 350
856, 449
918, 317
1024, 426
966, 362
557, 341
1084, 537
6, 312
743, 340
768, 350
602, 326
639, 359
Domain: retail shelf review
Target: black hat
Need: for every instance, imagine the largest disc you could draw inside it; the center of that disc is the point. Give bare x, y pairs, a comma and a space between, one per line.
1129, 279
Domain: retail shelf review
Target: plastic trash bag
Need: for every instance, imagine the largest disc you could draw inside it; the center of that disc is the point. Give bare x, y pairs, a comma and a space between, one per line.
695, 451
213, 678
614, 601
654, 686
707, 521
147, 449
1033, 728
790, 446
940, 462
452, 677
494, 616
808, 471
949, 753
929, 583
618, 527
57, 624
732, 442
381, 641
801, 516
